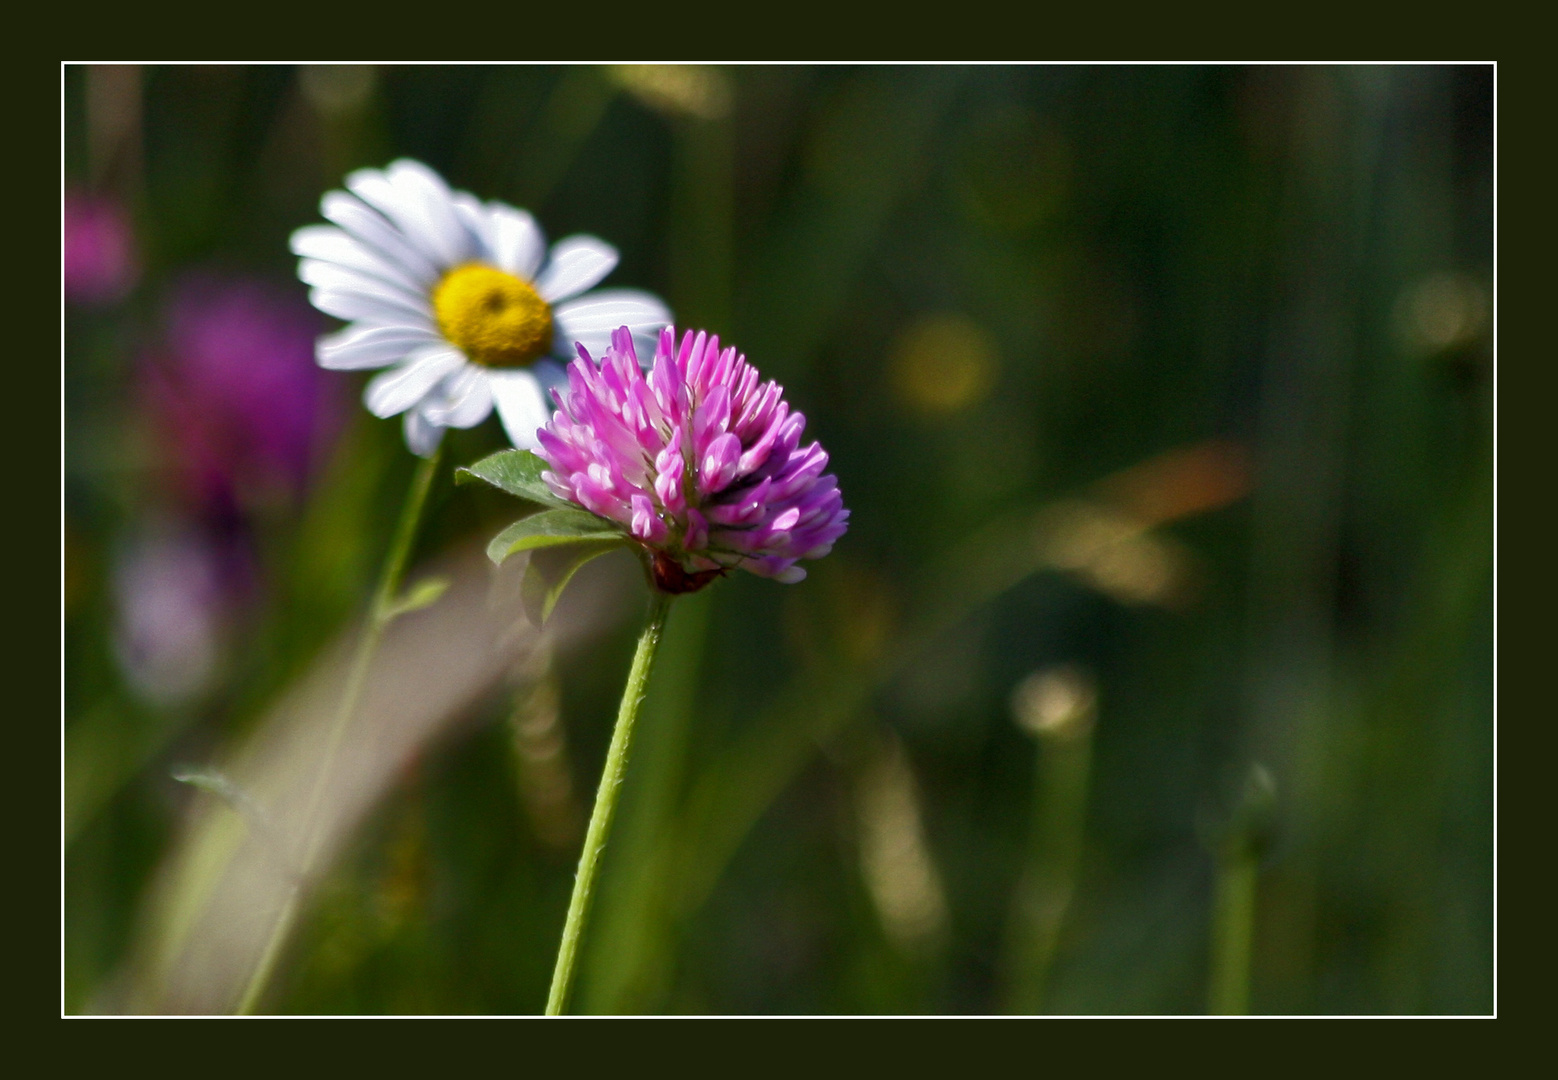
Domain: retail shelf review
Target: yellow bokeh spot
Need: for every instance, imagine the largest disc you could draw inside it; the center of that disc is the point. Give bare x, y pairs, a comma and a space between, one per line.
695, 90
943, 363
495, 318
1442, 312
1059, 703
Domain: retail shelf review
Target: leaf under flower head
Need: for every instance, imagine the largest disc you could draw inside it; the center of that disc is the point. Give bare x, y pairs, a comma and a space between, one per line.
517, 472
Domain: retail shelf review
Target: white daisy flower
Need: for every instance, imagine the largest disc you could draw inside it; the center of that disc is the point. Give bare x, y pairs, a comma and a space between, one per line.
459, 299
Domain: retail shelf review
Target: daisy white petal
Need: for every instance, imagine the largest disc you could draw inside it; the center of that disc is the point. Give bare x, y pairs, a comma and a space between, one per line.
333, 245
590, 319
521, 406
435, 204
552, 376
463, 400
401, 208
397, 390
422, 436
458, 240
359, 346
420, 207
369, 227
336, 278
378, 310
518, 243
576, 263
473, 215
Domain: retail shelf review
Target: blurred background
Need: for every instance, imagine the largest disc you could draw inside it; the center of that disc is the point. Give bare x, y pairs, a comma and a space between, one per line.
1155, 674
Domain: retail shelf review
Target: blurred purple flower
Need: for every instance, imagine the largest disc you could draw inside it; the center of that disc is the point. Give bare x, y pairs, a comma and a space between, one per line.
234, 390
700, 462
97, 251
172, 600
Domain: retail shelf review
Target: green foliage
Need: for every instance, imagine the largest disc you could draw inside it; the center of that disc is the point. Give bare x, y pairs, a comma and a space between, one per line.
550, 571
423, 594
217, 783
211, 782
517, 472
583, 535
551, 528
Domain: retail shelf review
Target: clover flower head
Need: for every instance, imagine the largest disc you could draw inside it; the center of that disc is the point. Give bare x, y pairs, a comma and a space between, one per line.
700, 461
460, 299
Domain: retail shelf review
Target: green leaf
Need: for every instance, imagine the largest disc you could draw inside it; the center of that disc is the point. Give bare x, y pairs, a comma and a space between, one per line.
212, 783
421, 595
215, 783
518, 472
549, 573
550, 528
239, 801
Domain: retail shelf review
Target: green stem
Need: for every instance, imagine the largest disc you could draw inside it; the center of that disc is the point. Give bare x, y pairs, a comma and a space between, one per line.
380, 615
605, 804
1233, 925
1049, 880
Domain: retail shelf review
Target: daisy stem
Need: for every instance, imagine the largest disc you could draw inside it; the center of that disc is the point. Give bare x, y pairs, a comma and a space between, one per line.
606, 803
380, 615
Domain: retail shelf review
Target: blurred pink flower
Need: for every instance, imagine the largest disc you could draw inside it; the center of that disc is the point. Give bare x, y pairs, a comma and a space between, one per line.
234, 391
173, 602
97, 253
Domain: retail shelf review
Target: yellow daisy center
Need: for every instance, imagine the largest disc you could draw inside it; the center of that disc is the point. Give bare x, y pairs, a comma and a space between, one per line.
495, 318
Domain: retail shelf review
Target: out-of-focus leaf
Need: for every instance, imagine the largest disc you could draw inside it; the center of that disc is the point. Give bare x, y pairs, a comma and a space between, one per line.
550, 528
212, 783
238, 800
423, 594
517, 472
550, 572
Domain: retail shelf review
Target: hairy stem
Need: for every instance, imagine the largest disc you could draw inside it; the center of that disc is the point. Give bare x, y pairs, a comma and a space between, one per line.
605, 804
